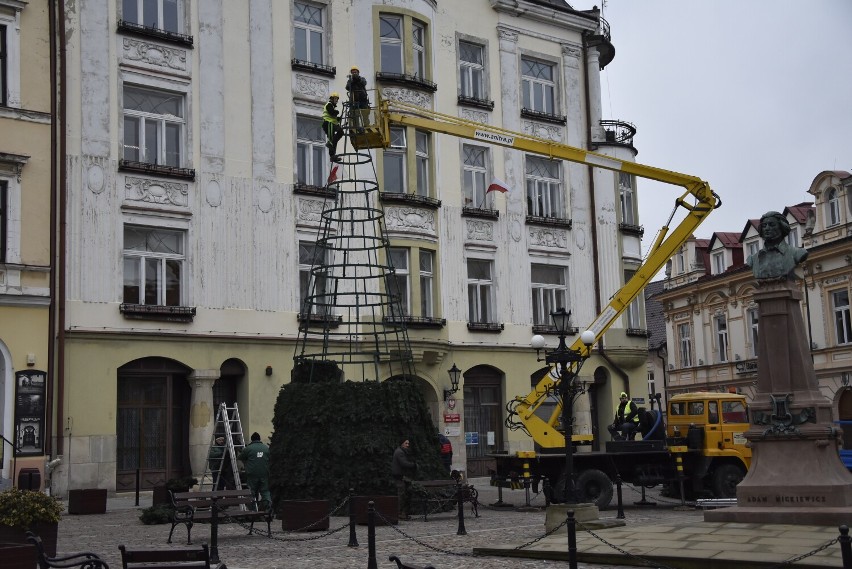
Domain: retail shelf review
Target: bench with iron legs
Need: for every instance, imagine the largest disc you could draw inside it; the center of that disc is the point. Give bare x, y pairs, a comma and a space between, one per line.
171, 558
435, 495
401, 565
83, 560
226, 505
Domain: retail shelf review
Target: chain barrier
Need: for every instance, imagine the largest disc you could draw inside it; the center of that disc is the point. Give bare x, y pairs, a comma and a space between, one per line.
644, 561
661, 499
798, 558
418, 541
551, 532
275, 535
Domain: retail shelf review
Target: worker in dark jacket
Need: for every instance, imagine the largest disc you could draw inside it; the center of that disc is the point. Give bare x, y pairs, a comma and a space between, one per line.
255, 456
626, 419
403, 468
446, 451
331, 126
219, 460
359, 102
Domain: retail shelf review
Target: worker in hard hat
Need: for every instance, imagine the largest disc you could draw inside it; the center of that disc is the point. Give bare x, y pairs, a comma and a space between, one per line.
358, 100
331, 126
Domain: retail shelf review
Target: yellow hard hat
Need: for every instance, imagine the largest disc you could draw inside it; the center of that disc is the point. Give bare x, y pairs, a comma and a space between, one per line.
334, 95
355, 68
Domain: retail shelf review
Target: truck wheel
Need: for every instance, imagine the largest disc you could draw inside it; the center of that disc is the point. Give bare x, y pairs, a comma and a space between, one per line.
725, 480
594, 486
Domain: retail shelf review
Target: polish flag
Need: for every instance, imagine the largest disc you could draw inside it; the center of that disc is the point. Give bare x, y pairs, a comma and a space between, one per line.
332, 176
498, 185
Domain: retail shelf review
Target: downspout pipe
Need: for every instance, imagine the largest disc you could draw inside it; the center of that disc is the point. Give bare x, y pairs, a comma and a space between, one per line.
51, 314
60, 204
592, 204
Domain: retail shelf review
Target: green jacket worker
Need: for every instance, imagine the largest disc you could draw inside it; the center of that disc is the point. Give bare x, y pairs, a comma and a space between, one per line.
256, 458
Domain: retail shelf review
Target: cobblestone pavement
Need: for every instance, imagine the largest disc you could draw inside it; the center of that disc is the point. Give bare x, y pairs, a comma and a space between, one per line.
432, 542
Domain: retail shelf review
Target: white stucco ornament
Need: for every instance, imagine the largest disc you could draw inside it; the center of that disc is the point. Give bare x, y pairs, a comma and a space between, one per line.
264, 199
213, 193
96, 179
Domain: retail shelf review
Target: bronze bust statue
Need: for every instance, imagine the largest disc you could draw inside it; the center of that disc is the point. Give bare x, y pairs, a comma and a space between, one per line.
777, 259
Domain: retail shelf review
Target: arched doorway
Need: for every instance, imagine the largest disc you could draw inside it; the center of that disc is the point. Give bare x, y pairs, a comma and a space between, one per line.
152, 427
226, 388
483, 418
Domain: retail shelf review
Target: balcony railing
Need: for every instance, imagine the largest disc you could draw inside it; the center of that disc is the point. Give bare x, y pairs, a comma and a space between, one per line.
551, 221
318, 68
618, 132
399, 197
541, 116
406, 79
416, 321
153, 32
158, 312
156, 169
485, 326
476, 102
480, 212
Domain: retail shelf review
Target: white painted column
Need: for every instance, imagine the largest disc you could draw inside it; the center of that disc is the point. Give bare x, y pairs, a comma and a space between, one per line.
262, 90
201, 417
593, 69
211, 88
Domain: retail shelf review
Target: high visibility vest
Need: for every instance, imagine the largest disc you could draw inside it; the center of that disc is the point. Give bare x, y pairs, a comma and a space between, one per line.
327, 115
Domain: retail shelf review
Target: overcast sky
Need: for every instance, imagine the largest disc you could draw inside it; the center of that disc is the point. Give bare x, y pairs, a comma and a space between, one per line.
753, 96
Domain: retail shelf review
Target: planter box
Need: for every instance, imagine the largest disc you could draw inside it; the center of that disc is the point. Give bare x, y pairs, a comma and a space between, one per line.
88, 501
17, 556
160, 495
47, 533
387, 506
304, 515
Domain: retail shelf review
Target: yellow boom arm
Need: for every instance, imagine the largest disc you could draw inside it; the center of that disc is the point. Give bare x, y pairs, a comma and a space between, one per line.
697, 199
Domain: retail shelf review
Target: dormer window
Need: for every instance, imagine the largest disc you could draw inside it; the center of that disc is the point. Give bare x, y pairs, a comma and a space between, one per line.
833, 204
718, 260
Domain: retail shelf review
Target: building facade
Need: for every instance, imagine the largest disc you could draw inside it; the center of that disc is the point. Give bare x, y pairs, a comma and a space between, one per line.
712, 323
196, 171
26, 235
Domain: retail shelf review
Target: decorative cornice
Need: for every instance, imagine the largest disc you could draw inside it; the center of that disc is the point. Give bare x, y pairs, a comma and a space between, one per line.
407, 96
156, 191
479, 230
154, 54
408, 218
546, 14
311, 87
545, 237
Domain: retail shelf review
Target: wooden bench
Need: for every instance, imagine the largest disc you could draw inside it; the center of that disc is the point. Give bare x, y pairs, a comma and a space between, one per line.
438, 494
172, 558
85, 559
401, 565
231, 506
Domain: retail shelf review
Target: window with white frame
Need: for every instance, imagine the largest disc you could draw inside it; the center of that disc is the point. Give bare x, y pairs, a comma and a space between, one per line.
549, 291
153, 126
480, 291
752, 247
718, 260
312, 254
471, 70
793, 237
10, 53
544, 188
398, 285
156, 14
720, 323
680, 258
403, 45
538, 86
393, 162
422, 161
634, 309
475, 176
842, 320
833, 203
751, 317
427, 283
311, 152
309, 32
4, 218
154, 262
685, 344
628, 205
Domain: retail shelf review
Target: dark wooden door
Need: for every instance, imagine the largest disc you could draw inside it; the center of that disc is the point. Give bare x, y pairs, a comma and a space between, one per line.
483, 418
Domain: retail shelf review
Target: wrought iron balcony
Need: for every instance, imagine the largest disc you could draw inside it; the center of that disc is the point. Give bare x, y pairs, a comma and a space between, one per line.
158, 312
618, 132
154, 32
405, 79
317, 68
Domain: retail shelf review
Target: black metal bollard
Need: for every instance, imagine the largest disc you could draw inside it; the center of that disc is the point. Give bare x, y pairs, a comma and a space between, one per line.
371, 536
845, 547
572, 540
137, 487
620, 514
353, 539
214, 532
460, 500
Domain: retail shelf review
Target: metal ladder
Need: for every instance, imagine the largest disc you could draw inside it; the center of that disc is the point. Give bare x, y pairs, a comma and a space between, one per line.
228, 425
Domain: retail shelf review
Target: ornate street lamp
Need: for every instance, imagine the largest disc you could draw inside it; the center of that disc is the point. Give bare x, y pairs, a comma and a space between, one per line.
455, 374
568, 363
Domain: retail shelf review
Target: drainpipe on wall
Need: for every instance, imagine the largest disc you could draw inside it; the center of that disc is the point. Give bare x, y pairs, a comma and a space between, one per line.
59, 279
592, 204
51, 313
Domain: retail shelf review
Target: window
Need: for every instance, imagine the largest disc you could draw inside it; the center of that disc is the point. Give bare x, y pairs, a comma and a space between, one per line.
156, 14
549, 292
390, 38
734, 412
633, 312
475, 177
397, 282
400, 161
625, 190
312, 254
544, 188
153, 266
427, 280
538, 86
721, 324
681, 261
480, 291
153, 126
310, 152
713, 412
793, 237
685, 341
422, 160
308, 31
833, 202
3, 57
752, 247
718, 263
403, 46
4, 219
842, 320
471, 70
695, 408
752, 325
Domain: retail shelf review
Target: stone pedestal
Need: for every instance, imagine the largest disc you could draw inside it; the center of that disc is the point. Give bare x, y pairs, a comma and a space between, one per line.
796, 476
585, 513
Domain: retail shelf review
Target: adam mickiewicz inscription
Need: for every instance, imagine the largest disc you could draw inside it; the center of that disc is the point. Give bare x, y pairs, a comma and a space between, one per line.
786, 499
